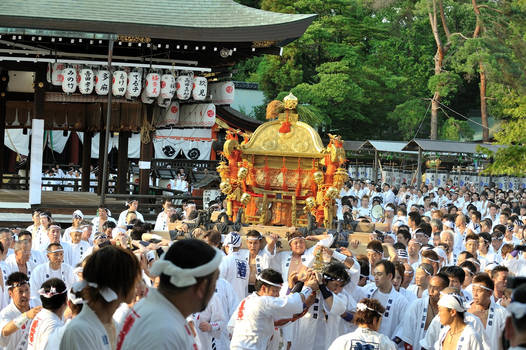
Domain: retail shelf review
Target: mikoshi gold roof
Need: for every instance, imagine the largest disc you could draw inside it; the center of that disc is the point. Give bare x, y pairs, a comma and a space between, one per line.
301, 141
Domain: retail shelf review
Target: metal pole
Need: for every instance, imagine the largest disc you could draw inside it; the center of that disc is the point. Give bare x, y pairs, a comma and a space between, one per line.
419, 168
108, 121
375, 167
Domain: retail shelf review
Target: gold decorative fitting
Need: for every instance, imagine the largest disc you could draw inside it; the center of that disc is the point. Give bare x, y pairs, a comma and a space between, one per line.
242, 174
245, 198
134, 39
225, 187
318, 177
262, 44
291, 101
41, 85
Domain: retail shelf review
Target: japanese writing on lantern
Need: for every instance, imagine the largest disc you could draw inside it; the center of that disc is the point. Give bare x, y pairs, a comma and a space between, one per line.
155, 84
121, 83
87, 78
135, 85
70, 78
104, 84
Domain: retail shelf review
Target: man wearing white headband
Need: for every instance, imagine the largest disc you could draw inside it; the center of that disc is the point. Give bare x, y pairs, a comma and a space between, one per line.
420, 313
241, 266
79, 247
54, 268
188, 272
54, 237
76, 221
15, 319
53, 296
253, 322
492, 316
515, 330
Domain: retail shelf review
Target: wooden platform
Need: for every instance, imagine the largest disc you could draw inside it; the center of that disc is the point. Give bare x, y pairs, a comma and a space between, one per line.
58, 203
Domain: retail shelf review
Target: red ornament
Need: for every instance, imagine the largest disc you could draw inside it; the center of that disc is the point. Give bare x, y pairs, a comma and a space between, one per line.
210, 113
174, 109
163, 84
177, 86
229, 89
60, 77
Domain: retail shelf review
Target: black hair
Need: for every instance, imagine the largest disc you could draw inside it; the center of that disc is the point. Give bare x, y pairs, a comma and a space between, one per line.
415, 217
519, 295
108, 224
24, 233
16, 278
444, 278
186, 254
455, 272
388, 267
54, 302
336, 271
269, 275
470, 266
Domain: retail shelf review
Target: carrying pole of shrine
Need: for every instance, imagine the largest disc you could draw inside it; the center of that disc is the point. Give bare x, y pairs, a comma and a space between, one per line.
108, 121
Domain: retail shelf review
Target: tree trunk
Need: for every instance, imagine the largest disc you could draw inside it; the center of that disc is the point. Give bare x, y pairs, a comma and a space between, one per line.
483, 104
436, 97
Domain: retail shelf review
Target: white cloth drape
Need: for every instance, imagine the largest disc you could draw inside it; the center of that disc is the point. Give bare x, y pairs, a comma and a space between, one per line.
195, 144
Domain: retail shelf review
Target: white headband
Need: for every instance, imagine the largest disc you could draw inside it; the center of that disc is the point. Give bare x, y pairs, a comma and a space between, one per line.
254, 238
517, 309
258, 277
451, 301
74, 299
292, 239
482, 286
180, 277
363, 307
51, 293
107, 293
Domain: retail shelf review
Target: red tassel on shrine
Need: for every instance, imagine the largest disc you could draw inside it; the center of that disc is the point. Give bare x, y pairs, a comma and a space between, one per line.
267, 177
284, 173
285, 127
298, 185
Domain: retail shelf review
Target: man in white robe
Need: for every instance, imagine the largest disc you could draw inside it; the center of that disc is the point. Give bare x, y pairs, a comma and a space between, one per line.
253, 323
54, 237
55, 268
21, 261
161, 223
132, 204
53, 296
15, 319
188, 272
420, 313
394, 303
492, 316
79, 248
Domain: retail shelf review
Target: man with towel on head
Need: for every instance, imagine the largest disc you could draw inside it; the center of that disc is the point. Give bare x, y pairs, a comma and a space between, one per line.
188, 273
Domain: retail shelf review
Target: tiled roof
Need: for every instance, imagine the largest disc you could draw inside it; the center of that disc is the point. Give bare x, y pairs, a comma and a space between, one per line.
195, 20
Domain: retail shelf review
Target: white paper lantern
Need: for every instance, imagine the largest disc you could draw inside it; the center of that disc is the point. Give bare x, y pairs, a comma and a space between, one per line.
48, 73
146, 99
120, 80
222, 93
57, 76
87, 81
102, 82
199, 91
134, 85
69, 84
183, 86
153, 85
167, 86
202, 115
171, 117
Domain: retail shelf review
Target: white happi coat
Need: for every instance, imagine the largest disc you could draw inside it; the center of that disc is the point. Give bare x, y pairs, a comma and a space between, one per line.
434, 329
363, 338
18, 339
235, 268
79, 251
40, 240
412, 328
315, 323
394, 311
44, 323
43, 272
495, 325
85, 331
282, 261
252, 323
155, 323
217, 338
469, 339
161, 223
12, 266
54, 339
229, 299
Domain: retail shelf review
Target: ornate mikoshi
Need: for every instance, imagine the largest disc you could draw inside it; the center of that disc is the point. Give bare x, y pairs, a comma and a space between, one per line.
282, 172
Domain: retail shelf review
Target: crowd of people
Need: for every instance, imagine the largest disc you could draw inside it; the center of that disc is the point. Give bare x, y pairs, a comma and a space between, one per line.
435, 274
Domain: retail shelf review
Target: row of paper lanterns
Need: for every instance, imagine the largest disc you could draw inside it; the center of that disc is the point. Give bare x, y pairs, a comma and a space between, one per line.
157, 86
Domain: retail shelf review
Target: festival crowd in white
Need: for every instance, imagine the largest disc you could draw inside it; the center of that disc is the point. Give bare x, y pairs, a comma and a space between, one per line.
435, 277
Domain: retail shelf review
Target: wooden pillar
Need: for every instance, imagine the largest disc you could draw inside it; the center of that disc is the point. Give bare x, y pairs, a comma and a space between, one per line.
122, 163
38, 106
86, 160
419, 169
146, 156
4, 80
75, 148
100, 163
375, 166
